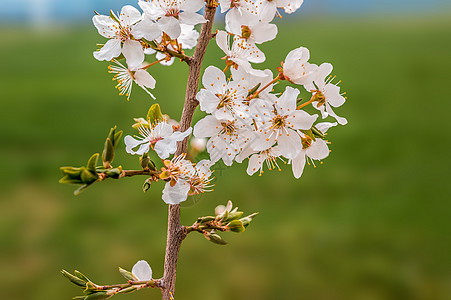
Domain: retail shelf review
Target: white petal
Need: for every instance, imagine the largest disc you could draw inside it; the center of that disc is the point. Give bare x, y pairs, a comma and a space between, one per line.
170, 26
129, 15
214, 80
146, 29
268, 11
208, 101
298, 164
110, 50
193, 5
106, 26
255, 163
340, 120
323, 127
287, 102
318, 150
301, 120
191, 18
143, 78
289, 143
222, 40
264, 32
133, 53
142, 271
207, 127
177, 193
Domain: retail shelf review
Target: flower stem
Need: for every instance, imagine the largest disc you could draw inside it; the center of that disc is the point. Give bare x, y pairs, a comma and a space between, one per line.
154, 63
176, 232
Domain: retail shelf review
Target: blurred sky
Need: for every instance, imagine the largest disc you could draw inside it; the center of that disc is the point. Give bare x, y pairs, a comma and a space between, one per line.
51, 11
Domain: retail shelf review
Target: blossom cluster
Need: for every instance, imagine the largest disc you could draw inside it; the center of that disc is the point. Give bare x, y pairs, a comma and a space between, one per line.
246, 117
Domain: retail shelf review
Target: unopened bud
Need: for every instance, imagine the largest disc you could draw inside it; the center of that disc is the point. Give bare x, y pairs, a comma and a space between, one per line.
198, 144
214, 238
128, 275
146, 185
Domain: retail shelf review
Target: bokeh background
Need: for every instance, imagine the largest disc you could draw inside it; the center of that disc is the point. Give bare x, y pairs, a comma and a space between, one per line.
371, 223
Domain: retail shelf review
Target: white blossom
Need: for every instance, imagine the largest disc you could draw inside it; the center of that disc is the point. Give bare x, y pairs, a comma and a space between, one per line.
225, 100
125, 78
142, 271
240, 52
278, 122
327, 93
160, 137
170, 14
122, 33
296, 67
251, 28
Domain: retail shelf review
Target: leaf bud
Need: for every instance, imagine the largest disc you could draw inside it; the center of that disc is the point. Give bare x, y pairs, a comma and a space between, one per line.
73, 279
233, 216
236, 226
247, 220
214, 238
127, 275
146, 185
98, 296
154, 114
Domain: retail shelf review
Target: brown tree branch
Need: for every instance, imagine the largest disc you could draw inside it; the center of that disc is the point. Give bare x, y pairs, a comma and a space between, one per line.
176, 232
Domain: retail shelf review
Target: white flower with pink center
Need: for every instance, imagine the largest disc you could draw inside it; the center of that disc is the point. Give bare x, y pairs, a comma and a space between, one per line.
170, 14
277, 123
122, 32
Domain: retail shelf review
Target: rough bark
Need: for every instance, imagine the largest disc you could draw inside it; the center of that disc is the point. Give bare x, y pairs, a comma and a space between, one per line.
176, 233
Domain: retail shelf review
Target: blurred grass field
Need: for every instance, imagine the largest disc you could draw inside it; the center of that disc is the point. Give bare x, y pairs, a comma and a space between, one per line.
372, 223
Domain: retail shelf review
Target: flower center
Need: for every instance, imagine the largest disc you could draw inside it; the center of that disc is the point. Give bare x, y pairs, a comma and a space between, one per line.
172, 12
306, 142
124, 33
228, 128
225, 100
245, 32
278, 122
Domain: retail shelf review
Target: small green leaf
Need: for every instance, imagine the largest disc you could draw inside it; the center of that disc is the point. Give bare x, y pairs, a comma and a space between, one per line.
214, 238
117, 137
128, 275
309, 133
247, 220
254, 89
205, 220
154, 114
318, 133
73, 279
108, 153
87, 176
98, 296
92, 162
128, 290
81, 276
80, 189
236, 226
233, 215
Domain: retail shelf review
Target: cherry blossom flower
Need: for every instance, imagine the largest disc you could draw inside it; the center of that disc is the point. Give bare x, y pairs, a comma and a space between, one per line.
326, 93
258, 159
142, 271
201, 181
315, 150
221, 98
296, 67
227, 137
277, 123
125, 78
122, 33
177, 171
241, 52
160, 137
293, 5
170, 14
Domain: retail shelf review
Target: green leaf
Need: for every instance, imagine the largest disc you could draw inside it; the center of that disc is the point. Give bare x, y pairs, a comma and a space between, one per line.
81, 276
236, 226
98, 296
247, 220
127, 275
233, 215
254, 89
117, 137
80, 189
73, 279
108, 153
154, 114
318, 133
87, 176
214, 238
309, 133
92, 162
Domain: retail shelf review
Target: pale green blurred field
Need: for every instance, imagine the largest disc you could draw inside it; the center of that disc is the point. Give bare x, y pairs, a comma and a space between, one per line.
372, 223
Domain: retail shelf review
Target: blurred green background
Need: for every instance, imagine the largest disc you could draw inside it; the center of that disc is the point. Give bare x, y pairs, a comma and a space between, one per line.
371, 223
